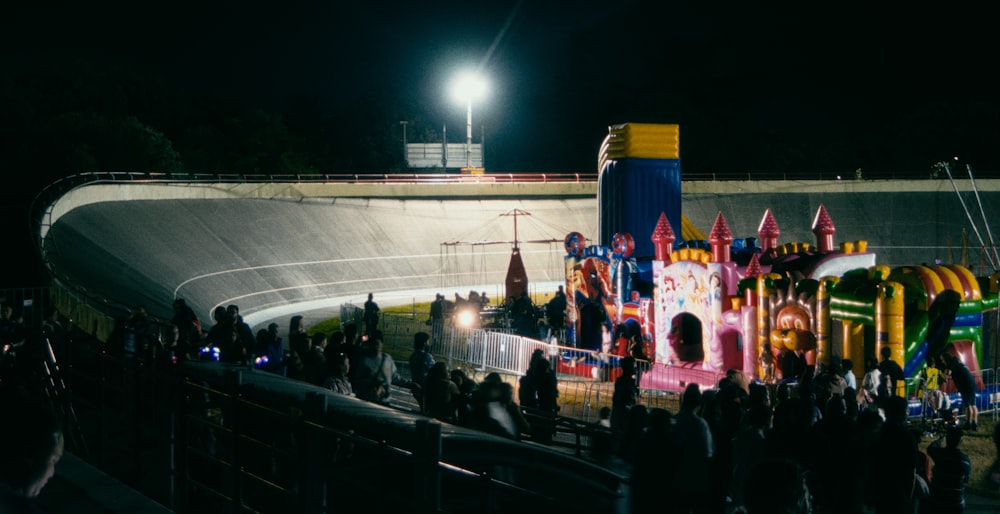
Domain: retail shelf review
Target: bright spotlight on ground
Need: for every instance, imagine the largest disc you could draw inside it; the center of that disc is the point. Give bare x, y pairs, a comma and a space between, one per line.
466, 318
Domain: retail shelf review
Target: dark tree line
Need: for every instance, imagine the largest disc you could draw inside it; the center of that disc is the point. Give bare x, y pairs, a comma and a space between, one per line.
66, 117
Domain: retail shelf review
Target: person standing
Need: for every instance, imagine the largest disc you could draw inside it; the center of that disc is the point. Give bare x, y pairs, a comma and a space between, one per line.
555, 312
929, 389
539, 390
244, 334
421, 362
766, 363
693, 437
371, 315
965, 384
952, 469
847, 371
437, 317
190, 326
868, 392
270, 350
625, 394
892, 370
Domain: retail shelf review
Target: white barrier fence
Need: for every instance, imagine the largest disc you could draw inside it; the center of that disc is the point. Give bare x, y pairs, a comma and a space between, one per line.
586, 379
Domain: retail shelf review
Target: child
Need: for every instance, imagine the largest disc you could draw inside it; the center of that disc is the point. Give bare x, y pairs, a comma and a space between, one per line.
605, 414
767, 363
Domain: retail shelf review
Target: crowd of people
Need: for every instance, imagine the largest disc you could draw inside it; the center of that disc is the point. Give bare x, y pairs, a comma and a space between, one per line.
795, 447
821, 443
713, 450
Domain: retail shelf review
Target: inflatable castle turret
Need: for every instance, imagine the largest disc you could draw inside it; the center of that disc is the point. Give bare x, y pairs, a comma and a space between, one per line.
703, 306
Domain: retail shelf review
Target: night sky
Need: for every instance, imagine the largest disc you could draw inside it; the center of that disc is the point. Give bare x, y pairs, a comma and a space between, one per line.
789, 88
848, 85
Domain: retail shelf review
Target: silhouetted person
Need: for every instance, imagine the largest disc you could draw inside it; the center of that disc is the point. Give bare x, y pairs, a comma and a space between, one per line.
374, 374
189, 324
777, 486
693, 438
33, 444
441, 394
965, 384
890, 369
539, 392
245, 339
336, 380
952, 469
494, 410
555, 311
421, 361
437, 317
650, 492
371, 315
625, 394
893, 462
270, 350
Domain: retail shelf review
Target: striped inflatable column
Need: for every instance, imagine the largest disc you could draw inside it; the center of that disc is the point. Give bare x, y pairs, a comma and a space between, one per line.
889, 311
639, 178
853, 334
765, 288
823, 318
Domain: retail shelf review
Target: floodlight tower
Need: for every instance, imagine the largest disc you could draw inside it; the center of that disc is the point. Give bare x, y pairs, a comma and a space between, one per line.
467, 87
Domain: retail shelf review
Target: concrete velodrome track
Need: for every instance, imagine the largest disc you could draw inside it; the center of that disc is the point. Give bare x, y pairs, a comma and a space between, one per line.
279, 249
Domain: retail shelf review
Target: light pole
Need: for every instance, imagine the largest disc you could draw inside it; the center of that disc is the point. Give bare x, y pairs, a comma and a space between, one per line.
403, 123
468, 87
468, 134
405, 156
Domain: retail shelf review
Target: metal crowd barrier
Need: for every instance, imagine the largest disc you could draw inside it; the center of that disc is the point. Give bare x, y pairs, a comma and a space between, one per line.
987, 395
479, 351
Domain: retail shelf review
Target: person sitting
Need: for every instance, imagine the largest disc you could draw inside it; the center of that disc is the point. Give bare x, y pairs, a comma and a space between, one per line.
339, 367
494, 410
440, 394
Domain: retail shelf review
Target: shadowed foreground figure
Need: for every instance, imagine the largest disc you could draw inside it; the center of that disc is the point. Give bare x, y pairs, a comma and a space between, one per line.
951, 473
776, 486
32, 447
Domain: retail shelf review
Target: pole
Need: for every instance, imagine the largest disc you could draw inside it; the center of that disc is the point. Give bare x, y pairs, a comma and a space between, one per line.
947, 169
468, 135
405, 156
989, 233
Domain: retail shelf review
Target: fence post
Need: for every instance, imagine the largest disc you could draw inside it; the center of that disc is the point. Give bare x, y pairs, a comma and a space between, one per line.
427, 473
313, 473
233, 380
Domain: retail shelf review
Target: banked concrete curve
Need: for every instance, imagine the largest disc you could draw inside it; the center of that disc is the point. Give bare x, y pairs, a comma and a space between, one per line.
282, 249
279, 249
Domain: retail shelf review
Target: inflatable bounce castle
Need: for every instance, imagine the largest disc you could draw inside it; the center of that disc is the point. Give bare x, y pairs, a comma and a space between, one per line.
704, 305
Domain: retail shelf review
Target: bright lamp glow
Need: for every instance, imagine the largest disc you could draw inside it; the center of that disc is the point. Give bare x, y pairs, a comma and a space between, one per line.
466, 318
468, 86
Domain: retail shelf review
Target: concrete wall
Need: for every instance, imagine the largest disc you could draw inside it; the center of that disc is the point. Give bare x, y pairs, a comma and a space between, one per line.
282, 249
